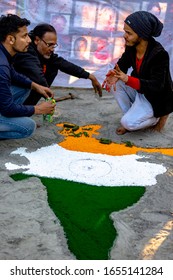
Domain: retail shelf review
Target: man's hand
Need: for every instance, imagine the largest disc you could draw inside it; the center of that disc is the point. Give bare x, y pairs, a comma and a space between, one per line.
96, 85
120, 74
110, 80
46, 107
45, 91
112, 77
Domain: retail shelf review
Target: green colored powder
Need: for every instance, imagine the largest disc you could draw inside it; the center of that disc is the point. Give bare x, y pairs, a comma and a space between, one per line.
84, 212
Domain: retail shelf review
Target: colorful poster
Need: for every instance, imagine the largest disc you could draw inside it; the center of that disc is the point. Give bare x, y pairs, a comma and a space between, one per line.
8, 7
60, 22
90, 34
84, 14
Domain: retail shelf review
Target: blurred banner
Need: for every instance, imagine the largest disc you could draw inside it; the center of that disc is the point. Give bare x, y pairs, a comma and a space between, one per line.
90, 33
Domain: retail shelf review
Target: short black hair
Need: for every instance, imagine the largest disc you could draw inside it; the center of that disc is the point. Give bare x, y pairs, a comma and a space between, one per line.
10, 24
40, 29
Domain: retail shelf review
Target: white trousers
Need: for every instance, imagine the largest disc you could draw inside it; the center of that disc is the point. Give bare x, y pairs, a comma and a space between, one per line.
137, 110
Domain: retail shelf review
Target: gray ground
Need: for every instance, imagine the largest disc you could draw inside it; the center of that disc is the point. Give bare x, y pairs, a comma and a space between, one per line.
28, 227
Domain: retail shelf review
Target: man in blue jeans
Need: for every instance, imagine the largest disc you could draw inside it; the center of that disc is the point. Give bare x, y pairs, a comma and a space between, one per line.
15, 121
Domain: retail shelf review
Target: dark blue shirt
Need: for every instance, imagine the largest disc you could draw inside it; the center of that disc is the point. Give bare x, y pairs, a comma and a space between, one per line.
8, 77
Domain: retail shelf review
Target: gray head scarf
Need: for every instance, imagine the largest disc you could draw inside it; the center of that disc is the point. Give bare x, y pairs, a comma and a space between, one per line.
144, 24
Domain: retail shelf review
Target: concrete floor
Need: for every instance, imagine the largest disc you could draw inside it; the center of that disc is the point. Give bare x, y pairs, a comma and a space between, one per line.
28, 227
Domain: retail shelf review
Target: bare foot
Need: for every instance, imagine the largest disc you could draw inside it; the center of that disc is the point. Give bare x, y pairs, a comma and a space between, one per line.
38, 125
160, 124
121, 130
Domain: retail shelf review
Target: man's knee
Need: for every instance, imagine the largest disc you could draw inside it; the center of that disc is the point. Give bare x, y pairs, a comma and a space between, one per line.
28, 127
119, 85
128, 124
16, 128
119, 88
31, 127
19, 94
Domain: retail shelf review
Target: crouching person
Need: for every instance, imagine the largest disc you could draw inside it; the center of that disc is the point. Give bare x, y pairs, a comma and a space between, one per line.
15, 121
146, 96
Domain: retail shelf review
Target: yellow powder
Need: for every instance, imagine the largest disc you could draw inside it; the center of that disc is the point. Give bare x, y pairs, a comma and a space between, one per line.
92, 145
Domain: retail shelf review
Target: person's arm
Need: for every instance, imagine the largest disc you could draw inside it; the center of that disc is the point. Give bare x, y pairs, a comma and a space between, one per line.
44, 108
21, 80
45, 91
133, 82
124, 63
79, 72
96, 85
29, 65
69, 67
157, 75
110, 81
9, 109
7, 106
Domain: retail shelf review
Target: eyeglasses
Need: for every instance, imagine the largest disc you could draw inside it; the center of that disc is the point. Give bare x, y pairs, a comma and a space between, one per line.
49, 45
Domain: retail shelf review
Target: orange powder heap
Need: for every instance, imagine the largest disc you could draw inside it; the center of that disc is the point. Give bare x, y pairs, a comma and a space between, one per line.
83, 140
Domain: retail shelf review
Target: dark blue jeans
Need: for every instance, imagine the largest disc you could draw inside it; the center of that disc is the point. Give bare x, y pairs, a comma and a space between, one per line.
19, 127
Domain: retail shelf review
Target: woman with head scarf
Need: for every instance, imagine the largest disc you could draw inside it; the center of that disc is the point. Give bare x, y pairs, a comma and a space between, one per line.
146, 96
